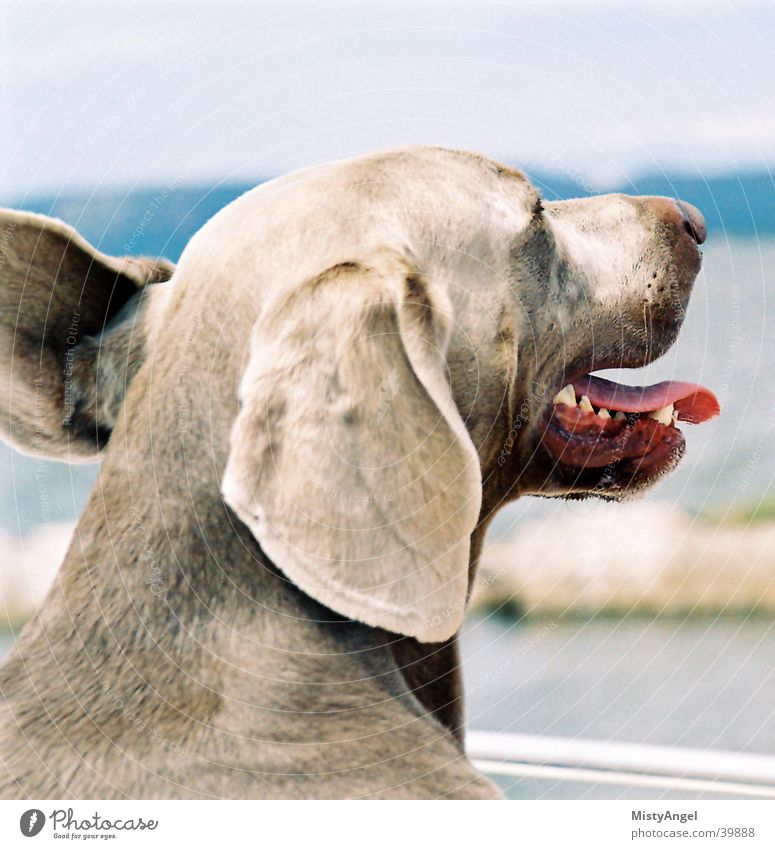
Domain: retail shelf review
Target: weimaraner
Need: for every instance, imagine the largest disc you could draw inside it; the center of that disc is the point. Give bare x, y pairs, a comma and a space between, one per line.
305, 428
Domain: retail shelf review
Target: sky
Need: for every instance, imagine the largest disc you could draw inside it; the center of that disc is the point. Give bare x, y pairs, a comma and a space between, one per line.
98, 95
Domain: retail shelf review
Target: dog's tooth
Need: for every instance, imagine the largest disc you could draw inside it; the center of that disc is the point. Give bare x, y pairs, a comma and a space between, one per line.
585, 405
602, 413
664, 415
620, 416
567, 395
674, 418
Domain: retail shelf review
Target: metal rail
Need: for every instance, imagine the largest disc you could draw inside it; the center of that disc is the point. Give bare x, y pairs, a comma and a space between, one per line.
642, 765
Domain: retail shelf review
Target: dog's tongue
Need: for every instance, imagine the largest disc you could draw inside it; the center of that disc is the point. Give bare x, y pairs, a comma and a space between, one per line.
693, 403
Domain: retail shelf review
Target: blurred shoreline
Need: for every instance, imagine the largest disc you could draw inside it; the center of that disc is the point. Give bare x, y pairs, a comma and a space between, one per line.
588, 560
639, 558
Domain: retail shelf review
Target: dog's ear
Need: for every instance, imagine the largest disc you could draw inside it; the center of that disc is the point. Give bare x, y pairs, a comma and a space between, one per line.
70, 339
349, 460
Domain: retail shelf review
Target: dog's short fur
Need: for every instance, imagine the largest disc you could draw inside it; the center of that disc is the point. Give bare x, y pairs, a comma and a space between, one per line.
305, 430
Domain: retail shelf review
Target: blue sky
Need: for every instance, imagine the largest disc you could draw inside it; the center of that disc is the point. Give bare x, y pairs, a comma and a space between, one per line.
116, 94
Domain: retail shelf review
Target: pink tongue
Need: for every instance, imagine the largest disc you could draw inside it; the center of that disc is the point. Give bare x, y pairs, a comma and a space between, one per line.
694, 403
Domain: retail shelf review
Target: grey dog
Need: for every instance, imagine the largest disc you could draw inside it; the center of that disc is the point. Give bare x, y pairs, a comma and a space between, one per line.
302, 430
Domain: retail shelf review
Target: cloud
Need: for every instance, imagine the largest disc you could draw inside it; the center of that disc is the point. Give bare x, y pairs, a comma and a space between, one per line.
119, 93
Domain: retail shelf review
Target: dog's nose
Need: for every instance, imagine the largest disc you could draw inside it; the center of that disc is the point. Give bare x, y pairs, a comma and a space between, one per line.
679, 214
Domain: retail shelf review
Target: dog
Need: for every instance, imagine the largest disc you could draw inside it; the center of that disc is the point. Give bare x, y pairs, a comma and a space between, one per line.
305, 428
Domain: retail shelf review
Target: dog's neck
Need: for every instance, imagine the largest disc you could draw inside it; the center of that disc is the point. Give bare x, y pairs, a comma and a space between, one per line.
167, 609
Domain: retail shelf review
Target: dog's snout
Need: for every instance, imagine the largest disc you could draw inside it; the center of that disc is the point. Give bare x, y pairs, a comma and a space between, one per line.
679, 214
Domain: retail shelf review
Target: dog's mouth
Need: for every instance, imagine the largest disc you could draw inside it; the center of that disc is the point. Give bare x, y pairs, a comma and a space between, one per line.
595, 423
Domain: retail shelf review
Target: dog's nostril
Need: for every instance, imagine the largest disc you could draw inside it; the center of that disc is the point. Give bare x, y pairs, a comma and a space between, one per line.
694, 222
679, 215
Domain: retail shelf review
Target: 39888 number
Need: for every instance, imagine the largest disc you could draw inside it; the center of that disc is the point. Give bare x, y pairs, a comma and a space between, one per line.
736, 832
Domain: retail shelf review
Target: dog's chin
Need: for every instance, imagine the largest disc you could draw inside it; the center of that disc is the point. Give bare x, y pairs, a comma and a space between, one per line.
618, 481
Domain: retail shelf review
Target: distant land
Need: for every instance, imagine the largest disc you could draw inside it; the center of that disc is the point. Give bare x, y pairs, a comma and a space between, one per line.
159, 221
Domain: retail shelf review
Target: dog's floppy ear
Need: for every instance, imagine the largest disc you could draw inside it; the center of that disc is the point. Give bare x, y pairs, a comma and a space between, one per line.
349, 460
70, 340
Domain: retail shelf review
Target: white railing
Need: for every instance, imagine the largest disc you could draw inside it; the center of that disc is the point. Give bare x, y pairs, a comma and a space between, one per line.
602, 762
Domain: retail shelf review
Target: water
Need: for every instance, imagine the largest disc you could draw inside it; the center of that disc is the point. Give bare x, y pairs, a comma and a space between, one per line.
697, 683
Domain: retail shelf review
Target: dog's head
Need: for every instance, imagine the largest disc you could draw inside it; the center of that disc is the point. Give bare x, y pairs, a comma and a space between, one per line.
413, 334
